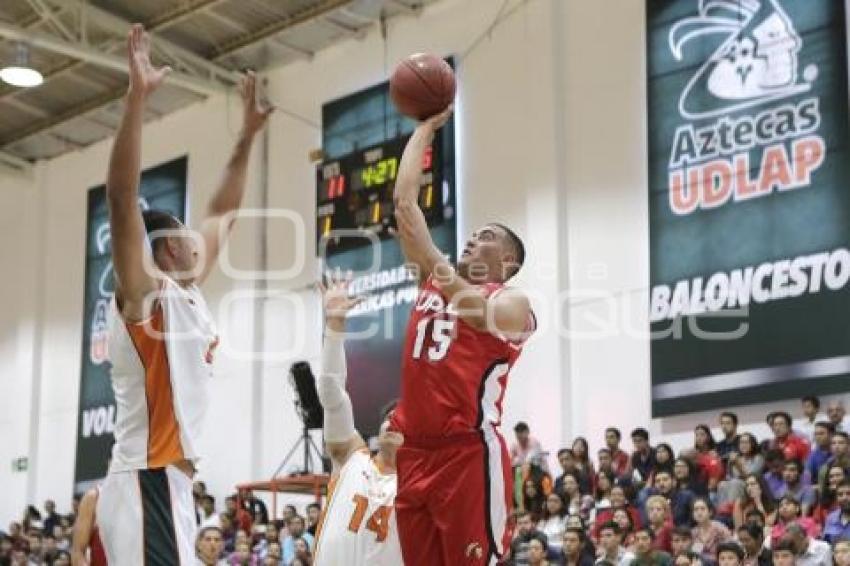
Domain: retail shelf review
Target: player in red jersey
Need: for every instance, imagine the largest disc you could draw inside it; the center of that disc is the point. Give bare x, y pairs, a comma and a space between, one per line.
465, 332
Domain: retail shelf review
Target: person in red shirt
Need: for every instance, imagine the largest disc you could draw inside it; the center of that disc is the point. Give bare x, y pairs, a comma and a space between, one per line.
465, 332
709, 464
660, 522
793, 447
620, 462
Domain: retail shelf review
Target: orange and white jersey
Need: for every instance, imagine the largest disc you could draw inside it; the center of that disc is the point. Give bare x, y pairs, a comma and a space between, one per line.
160, 371
358, 525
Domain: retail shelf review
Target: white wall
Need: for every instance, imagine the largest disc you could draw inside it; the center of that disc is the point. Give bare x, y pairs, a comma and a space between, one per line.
551, 140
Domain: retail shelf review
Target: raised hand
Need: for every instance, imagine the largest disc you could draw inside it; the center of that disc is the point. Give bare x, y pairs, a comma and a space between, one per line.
255, 112
437, 121
336, 300
144, 77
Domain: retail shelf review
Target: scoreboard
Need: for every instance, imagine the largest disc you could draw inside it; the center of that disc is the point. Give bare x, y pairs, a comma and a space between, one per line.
355, 193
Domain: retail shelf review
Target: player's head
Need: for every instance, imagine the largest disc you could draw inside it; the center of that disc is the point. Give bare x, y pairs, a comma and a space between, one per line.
493, 253
210, 544
173, 245
389, 440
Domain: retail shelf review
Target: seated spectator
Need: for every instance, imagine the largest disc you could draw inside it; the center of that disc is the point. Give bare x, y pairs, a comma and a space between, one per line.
242, 555
568, 466
645, 552
616, 500
805, 425
611, 548
604, 483
270, 536
643, 457
679, 499
659, 522
748, 459
687, 477
51, 517
207, 514
709, 466
255, 507
755, 517
535, 474
581, 455
729, 443
788, 514
792, 484
302, 551
820, 454
689, 558
840, 453
784, 553
36, 542
525, 531
63, 558
554, 521
774, 464
664, 459
730, 554
533, 499
828, 487
707, 534
577, 502
619, 458
527, 449
314, 511
841, 552
228, 530
751, 538
537, 552
50, 550
837, 524
836, 414
210, 546
793, 447
809, 551
681, 541
240, 517
574, 549
627, 527
296, 529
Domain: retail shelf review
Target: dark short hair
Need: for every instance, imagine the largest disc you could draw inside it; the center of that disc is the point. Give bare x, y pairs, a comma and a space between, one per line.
640, 433
601, 450
615, 430
647, 530
783, 415
159, 220
582, 536
811, 399
784, 545
754, 531
563, 451
730, 546
731, 415
682, 532
538, 536
610, 526
518, 246
774, 455
830, 428
208, 528
796, 463
314, 506
842, 434
208, 497
754, 513
521, 426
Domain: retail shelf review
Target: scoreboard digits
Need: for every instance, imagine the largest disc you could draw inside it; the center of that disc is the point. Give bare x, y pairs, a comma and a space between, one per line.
355, 192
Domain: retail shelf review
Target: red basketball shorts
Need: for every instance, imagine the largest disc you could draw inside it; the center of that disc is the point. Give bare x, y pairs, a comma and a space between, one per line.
454, 499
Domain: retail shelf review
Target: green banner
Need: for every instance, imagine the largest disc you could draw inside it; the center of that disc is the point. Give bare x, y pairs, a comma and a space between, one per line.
162, 188
749, 201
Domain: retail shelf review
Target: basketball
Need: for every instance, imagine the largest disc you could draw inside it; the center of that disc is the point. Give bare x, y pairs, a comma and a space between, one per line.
422, 85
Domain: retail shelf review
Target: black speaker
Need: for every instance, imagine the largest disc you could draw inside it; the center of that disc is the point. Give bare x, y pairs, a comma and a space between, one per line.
308, 398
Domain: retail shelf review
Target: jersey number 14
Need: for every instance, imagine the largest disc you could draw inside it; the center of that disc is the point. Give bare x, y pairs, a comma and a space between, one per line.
378, 523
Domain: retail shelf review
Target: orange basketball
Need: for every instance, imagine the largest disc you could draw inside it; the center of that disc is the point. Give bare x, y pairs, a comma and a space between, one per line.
422, 85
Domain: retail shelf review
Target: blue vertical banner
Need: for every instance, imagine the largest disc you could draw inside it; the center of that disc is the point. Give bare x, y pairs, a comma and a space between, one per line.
164, 188
749, 201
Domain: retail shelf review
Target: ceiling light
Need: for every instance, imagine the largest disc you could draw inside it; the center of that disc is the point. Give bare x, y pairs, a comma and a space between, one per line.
20, 73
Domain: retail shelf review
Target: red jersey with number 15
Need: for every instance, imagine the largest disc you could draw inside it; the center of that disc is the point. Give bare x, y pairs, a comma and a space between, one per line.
453, 376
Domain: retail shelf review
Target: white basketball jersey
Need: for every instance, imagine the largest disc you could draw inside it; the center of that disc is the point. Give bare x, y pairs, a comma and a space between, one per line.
358, 525
160, 371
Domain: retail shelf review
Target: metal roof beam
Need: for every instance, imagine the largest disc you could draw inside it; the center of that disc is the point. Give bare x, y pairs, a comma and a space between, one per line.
15, 162
90, 55
120, 27
350, 31
300, 52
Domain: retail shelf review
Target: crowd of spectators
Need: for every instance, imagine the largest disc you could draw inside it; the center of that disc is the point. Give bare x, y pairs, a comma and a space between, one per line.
732, 500
728, 501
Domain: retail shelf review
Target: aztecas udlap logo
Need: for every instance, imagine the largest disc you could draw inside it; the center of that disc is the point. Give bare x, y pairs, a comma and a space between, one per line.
771, 144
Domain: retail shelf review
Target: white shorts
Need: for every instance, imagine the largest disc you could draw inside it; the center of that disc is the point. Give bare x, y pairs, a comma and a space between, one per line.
147, 517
